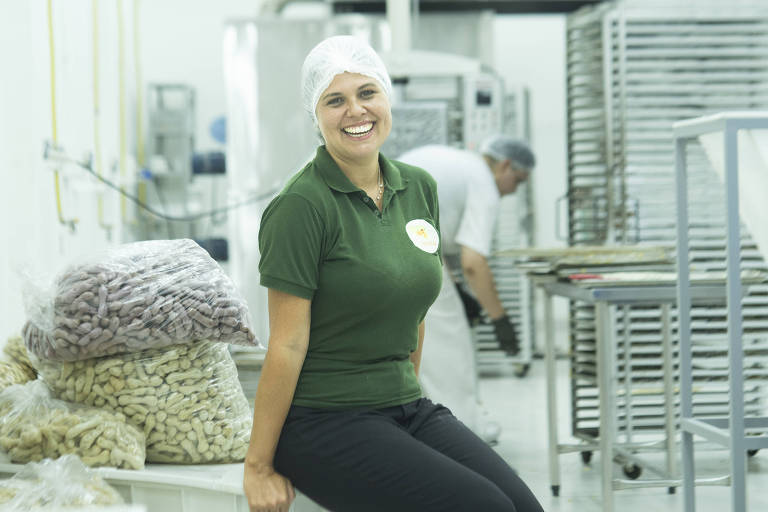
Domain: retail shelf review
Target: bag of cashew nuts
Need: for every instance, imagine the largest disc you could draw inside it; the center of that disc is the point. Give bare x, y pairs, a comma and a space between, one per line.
16, 369
13, 373
186, 398
34, 426
135, 297
56, 484
16, 353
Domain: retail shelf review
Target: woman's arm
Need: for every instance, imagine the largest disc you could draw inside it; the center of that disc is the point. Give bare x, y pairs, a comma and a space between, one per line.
289, 318
416, 354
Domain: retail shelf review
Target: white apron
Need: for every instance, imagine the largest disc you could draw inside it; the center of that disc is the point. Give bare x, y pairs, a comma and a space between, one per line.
448, 372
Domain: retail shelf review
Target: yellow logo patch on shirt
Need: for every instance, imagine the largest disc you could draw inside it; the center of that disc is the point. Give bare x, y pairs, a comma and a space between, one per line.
423, 235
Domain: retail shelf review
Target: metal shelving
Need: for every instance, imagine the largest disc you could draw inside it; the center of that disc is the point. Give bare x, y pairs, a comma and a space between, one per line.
634, 68
513, 231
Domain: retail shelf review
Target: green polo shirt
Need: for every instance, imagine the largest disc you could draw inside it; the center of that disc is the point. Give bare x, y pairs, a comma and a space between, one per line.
370, 282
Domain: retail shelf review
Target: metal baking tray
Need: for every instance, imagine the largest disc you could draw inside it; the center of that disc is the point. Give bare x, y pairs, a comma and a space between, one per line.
661, 278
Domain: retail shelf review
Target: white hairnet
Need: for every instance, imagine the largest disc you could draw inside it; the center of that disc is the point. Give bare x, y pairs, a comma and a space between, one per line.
334, 56
502, 147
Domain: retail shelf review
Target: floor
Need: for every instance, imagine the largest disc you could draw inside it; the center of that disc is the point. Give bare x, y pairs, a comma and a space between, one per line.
519, 405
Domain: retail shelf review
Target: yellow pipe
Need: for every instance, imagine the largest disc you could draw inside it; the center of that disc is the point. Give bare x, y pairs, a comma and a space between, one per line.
54, 125
97, 114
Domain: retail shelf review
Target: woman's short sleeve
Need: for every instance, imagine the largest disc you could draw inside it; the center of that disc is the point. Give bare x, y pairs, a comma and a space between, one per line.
290, 243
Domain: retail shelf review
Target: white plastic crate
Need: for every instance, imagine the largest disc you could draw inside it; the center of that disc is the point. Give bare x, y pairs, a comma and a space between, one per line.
172, 488
95, 508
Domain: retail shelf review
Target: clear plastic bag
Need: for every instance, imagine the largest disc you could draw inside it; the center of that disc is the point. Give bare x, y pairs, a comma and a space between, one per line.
16, 352
186, 398
13, 373
55, 484
135, 297
34, 426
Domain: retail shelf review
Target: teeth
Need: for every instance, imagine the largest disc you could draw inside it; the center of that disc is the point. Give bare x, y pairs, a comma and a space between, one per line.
359, 130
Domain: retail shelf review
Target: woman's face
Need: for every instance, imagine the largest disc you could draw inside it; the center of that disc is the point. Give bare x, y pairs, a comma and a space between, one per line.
354, 117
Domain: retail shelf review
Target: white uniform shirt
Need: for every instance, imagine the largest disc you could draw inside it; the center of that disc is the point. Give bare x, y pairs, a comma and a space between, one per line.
467, 195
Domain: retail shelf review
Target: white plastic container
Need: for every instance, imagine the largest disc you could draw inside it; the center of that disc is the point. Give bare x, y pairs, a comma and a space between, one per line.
95, 508
171, 488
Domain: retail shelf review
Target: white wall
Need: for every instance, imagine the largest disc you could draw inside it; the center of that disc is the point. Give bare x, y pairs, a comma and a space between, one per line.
32, 233
181, 42
530, 50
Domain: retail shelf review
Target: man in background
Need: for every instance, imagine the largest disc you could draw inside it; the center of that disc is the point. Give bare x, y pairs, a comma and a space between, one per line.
470, 186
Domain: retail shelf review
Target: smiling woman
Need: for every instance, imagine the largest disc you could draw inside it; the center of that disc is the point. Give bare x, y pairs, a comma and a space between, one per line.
347, 91
354, 118
351, 255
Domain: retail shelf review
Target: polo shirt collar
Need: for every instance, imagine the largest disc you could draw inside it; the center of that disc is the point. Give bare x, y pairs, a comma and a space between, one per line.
331, 172
337, 180
391, 173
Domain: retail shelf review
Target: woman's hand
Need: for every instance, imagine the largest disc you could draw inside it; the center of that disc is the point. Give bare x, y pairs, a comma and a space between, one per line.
267, 490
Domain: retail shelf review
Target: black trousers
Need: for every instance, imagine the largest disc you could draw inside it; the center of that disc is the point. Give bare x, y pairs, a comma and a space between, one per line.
413, 457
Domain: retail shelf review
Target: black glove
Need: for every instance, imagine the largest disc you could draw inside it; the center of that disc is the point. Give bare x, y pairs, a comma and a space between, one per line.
472, 308
506, 335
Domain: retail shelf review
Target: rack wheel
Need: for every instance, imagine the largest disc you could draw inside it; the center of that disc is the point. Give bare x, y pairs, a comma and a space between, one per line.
752, 453
632, 471
671, 490
521, 370
555, 491
586, 457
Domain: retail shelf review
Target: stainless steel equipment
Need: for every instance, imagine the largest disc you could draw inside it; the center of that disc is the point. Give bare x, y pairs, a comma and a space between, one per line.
171, 143
472, 101
171, 112
634, 68
514, 230
176, 183
417, 123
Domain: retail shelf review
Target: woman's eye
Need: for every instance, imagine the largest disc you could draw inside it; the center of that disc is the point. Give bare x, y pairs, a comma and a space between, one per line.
367, 93
334, 101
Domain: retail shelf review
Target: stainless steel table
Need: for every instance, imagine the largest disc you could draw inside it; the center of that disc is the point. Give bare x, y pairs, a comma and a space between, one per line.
603, 295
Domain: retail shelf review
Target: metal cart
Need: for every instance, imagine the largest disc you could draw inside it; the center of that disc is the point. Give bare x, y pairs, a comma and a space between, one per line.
634, 67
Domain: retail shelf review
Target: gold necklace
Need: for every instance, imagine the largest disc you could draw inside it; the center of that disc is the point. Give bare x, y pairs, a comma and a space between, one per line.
381, 187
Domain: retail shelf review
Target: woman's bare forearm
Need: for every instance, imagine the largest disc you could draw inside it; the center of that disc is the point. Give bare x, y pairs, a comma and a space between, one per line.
274, 394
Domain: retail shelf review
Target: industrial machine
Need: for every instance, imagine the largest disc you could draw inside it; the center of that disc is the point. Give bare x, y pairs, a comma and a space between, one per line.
176, 181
